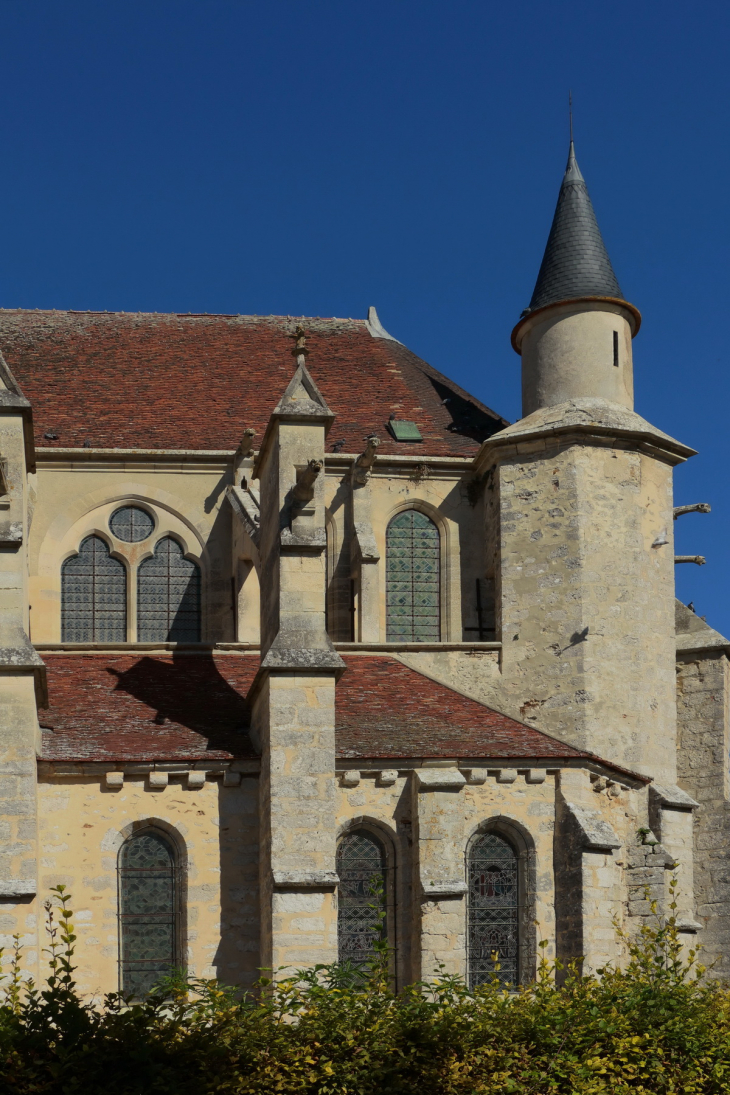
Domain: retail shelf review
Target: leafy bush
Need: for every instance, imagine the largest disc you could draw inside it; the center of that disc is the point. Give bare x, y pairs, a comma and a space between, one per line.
655, 1027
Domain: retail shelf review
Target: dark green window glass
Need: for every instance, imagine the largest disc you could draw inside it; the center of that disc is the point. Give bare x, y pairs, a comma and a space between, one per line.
147, 921
494, 911
361, 899
93, 596
168, 596
413, 585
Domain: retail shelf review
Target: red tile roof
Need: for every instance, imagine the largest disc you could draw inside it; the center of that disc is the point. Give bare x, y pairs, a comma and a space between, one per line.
385, 709
191, 706
126, 380
170, 707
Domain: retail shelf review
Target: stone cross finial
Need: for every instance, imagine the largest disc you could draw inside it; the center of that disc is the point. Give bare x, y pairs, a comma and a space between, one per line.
300, 351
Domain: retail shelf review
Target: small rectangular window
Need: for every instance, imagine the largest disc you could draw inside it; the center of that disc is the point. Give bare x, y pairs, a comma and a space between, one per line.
404, 431
615, 348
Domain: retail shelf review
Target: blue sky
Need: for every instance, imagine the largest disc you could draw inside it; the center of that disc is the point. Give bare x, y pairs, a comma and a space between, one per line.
314, 157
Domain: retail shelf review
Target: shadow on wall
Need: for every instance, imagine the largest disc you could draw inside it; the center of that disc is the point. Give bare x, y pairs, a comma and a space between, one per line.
190, 691
237, 957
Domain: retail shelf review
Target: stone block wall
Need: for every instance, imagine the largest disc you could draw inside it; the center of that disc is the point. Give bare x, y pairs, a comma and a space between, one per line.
702, 706
83, 820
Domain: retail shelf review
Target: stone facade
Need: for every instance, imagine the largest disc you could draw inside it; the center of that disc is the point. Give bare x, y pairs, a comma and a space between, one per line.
562, 719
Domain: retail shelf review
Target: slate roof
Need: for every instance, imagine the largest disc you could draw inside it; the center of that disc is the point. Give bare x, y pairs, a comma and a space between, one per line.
149, 381
191, 706
576, 262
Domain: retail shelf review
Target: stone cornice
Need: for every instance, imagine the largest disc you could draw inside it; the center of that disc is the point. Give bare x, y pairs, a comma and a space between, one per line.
588, 421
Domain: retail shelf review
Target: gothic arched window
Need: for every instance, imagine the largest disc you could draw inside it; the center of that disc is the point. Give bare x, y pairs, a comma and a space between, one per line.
413, 585
147, 911
362, 902
494, 910
168, 596
93, 596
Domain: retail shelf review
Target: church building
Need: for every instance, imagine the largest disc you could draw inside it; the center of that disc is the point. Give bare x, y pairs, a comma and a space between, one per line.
302, 645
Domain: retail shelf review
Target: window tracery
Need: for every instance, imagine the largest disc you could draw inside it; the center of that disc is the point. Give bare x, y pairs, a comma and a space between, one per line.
132, 524
93, 595
361, 910
168, 596
494, 906
147, 911
413, 582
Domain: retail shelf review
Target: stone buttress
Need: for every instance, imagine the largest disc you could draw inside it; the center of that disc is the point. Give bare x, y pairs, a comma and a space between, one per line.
293, 698
22, 673
579, 515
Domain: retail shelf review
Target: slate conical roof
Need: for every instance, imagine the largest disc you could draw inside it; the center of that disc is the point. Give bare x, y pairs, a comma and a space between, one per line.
575, 263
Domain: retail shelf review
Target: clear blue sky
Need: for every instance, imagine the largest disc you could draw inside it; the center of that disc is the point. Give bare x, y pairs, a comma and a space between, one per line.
314, 157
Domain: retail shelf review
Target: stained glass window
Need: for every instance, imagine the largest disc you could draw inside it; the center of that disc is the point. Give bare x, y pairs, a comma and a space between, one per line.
494, 911
412, 567
93, 596
147, 921
168, 596
362, 896
131, 524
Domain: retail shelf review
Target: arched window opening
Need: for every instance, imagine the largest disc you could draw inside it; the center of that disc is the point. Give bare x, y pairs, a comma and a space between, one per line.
412, 570
494, 911
148, 944
93, 596
168, 596
340, 604
362, 904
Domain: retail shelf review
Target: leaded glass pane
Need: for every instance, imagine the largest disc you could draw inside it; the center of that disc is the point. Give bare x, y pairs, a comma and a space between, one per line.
131, 524
93, 596
494, 911
361, 903
413, 583
146, 911
168, 596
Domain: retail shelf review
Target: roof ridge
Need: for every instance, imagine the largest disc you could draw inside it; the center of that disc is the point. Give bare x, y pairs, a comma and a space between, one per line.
181, 315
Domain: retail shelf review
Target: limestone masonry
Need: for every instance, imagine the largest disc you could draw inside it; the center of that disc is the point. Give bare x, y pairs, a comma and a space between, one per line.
303, 647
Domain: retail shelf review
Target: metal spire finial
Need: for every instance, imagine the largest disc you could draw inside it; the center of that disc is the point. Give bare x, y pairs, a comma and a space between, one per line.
570, 114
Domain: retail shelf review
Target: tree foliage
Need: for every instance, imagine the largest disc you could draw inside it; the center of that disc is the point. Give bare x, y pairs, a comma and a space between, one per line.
656, 1026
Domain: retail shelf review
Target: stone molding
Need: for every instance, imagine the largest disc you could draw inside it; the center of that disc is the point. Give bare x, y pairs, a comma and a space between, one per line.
671, 796
439, 779
597, 835
18, 887
435, 888
304, 880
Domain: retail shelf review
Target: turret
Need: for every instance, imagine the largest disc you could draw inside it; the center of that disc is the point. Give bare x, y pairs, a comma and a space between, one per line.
575, 336
579, 515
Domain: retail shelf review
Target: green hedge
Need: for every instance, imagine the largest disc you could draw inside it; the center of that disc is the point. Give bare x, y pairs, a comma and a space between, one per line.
655, 1027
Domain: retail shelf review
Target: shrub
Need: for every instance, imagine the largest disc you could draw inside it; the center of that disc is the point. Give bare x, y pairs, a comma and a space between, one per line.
654, 1027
